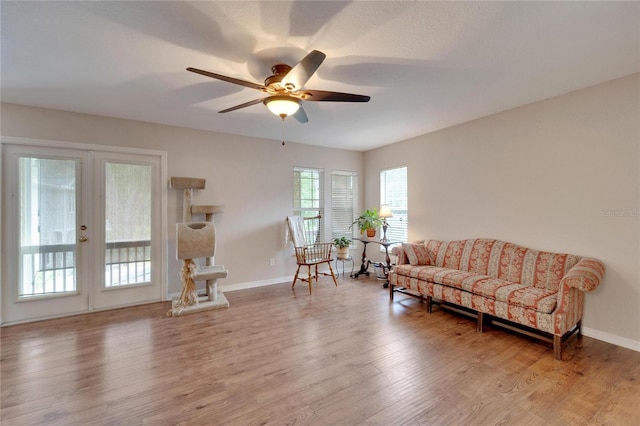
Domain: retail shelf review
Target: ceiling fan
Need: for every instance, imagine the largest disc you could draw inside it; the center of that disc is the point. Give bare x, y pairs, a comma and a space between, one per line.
285, 88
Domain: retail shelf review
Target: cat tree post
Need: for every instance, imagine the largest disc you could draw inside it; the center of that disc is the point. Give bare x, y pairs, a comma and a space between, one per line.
187, 185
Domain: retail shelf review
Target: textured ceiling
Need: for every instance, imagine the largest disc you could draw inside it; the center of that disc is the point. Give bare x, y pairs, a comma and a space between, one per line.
426, 65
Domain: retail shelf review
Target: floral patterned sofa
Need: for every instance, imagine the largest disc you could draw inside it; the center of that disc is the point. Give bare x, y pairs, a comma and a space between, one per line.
500, 280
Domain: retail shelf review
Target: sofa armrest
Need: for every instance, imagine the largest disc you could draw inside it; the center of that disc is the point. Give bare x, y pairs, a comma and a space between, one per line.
402, 258
585, 275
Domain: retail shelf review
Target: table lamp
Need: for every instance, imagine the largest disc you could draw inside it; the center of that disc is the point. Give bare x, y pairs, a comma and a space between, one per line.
385, 212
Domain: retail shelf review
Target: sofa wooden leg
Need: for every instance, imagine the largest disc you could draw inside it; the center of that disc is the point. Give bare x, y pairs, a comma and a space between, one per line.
391, 286
479, 326
557, 347
429, 304
579, 325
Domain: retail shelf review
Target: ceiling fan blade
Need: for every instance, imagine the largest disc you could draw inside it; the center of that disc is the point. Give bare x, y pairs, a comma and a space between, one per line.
244, 105
228, 79
301, 73
300, 115
322, 95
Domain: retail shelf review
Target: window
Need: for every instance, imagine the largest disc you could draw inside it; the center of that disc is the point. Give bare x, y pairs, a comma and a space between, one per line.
308, 196
344, 202
393, 191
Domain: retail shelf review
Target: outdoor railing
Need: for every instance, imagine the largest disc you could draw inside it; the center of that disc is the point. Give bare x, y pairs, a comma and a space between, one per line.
51, 269
127, 262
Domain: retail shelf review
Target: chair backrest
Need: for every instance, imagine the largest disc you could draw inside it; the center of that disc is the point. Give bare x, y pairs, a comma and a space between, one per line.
312, 229
316, 253
303, 231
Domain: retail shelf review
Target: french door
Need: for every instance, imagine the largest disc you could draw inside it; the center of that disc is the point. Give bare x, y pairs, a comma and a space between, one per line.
82, 230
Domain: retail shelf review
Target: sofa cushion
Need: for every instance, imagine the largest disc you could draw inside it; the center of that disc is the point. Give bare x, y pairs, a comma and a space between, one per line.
538, 299
422, 272
450, 277
535, 298
417, 254
458, 279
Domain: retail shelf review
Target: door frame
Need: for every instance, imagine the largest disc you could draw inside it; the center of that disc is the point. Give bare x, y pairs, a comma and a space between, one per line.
163, 269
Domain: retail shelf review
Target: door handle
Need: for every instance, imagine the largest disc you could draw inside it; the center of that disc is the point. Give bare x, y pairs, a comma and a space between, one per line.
83, 239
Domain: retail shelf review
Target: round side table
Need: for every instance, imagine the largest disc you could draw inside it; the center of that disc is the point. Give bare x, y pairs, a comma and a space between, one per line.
348, 259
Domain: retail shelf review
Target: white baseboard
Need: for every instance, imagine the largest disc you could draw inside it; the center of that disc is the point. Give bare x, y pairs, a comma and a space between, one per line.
611, 338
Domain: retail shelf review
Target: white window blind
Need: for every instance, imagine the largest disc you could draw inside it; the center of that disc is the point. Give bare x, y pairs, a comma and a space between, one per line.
393, 191
344, 202
308, 196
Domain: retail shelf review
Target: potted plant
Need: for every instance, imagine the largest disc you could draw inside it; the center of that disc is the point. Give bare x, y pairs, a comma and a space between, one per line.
369, 222
342, 247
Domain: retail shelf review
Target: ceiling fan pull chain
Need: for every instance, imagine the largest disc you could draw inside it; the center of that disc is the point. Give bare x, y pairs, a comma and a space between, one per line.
283, 132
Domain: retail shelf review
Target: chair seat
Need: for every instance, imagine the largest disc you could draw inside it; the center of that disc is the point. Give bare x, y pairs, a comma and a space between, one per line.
317, 253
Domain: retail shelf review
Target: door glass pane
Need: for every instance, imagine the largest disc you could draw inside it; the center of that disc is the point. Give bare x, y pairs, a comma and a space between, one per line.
47, 226
127, 224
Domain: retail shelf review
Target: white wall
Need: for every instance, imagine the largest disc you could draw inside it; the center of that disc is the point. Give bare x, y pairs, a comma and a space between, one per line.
252, 178
559, 175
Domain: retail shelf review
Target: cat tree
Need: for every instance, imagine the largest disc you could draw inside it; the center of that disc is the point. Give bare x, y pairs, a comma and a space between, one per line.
195, 240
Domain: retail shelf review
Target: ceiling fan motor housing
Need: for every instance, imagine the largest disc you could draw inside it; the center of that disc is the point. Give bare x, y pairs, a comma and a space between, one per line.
279, 72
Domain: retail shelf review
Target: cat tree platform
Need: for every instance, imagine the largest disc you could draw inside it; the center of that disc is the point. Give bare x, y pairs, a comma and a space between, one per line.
204, 304
213, 298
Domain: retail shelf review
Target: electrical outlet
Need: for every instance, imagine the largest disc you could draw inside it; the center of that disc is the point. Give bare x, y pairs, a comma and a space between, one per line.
272, 262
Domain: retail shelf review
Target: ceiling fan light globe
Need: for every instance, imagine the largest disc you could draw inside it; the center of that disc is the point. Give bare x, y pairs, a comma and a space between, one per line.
282, 105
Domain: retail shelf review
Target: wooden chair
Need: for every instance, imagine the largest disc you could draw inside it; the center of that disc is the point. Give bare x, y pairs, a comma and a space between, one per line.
310, 255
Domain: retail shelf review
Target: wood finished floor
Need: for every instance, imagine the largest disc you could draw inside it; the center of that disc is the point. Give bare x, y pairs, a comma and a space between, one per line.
342, 356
